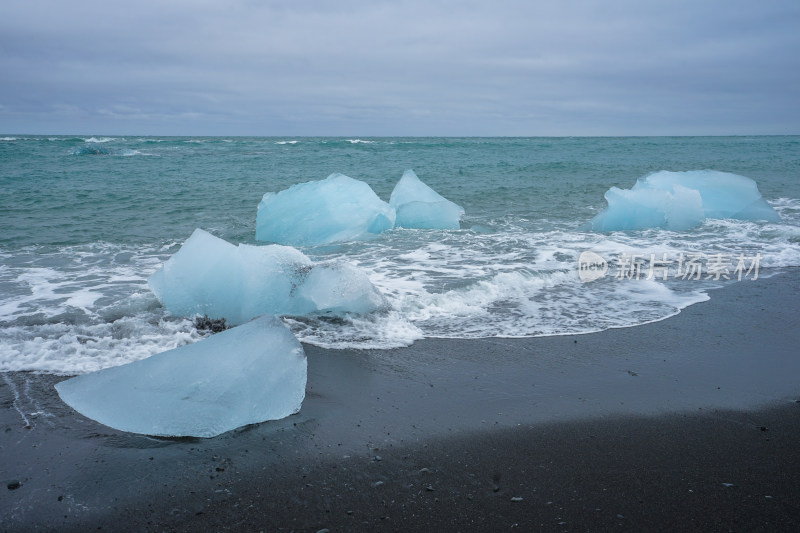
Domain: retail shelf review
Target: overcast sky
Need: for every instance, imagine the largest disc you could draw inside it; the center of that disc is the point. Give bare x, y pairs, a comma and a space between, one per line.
415, 67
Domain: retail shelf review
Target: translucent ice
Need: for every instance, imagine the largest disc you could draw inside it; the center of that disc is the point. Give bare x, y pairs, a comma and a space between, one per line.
245, 375
337, 208
210, 276
419, 206
682, 200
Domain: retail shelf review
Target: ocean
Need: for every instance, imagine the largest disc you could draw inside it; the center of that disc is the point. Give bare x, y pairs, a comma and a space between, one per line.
84, 221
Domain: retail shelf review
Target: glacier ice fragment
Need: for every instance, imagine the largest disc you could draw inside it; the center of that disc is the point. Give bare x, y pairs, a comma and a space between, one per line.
419, 206
210, 276
682, 200
245, 375
338, 208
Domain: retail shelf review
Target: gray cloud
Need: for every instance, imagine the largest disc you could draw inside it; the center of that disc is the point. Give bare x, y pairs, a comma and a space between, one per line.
400, 68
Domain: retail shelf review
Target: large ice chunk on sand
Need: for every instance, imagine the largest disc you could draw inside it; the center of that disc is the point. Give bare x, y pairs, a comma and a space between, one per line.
338, 208
682, 200
245, 375
419, 206
210, 276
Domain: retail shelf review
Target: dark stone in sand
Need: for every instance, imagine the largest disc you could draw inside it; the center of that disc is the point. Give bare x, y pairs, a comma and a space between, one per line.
214, 325
14, 484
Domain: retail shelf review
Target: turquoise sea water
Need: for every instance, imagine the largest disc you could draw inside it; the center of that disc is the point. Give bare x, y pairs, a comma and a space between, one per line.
85, 220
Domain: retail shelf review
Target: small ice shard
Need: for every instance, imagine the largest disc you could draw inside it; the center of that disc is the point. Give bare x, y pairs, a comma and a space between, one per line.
210, 276
338, 208
245, 375
419, 206
337, 288
682, 200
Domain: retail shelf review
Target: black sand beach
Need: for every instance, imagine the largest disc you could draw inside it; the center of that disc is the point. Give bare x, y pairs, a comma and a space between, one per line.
688, 424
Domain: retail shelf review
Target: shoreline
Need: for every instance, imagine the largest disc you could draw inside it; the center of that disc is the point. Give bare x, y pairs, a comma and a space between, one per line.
659, 424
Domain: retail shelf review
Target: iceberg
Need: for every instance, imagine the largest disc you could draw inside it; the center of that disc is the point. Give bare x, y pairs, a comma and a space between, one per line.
210, 276
682, 200
419, 206
338, 208
245, 375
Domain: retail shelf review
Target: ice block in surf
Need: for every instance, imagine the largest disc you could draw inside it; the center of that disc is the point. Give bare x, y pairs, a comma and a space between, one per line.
245, 375
682, 200
419, 206
338, 208
210, 276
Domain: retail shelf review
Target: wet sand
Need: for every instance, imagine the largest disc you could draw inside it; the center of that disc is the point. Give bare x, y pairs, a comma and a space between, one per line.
691, 423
